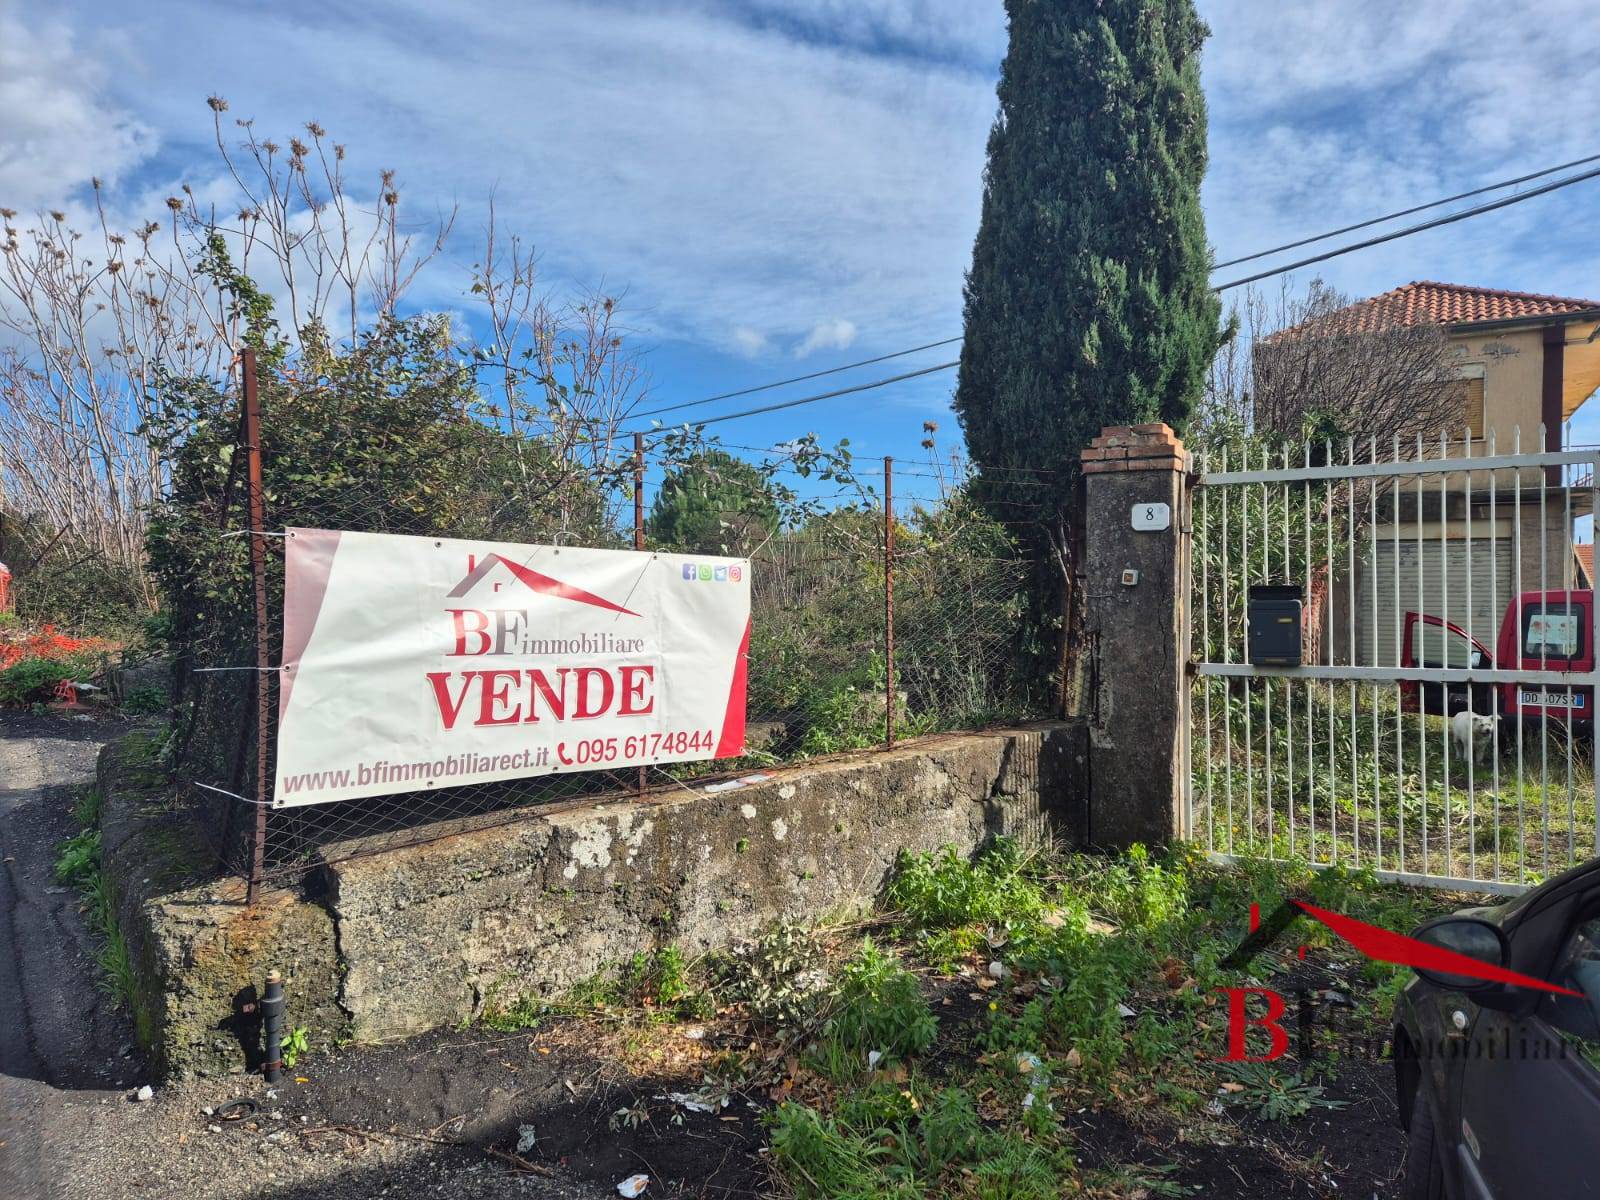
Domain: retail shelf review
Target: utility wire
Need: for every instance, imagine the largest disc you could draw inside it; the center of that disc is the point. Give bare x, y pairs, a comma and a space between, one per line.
865, 362
860, 387
1405, 212
1336, 252
1407, 231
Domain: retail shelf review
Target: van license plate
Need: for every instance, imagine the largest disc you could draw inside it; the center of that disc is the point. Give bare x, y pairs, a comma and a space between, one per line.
1552, 699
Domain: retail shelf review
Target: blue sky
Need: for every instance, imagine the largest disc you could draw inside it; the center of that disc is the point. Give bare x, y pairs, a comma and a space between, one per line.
783, 185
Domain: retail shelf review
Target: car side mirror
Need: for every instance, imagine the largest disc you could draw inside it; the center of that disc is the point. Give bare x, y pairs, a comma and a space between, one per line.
1464, 941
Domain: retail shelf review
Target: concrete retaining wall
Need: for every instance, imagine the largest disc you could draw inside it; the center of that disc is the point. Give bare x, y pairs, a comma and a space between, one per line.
402, 941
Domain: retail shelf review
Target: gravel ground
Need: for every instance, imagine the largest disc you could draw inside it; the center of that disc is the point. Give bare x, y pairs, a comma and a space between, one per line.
69, 1126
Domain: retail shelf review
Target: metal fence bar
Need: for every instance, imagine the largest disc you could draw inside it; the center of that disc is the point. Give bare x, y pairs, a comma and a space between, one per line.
888, 600
1472, 759
258, 580
1544, 644
1445, 836
1354, 470
1494, 607
641, 783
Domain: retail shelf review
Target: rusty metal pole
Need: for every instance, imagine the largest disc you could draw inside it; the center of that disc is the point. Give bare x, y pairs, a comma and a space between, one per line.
638, 525
258, 574
888, 597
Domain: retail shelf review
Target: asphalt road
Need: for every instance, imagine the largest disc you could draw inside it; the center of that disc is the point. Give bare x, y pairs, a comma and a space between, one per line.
70, 1128
62, 1044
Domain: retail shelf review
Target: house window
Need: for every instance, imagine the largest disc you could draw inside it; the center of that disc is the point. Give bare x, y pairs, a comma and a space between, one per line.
1469, 389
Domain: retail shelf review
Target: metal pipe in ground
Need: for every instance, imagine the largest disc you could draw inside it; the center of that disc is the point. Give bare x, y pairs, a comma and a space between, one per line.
272, 1027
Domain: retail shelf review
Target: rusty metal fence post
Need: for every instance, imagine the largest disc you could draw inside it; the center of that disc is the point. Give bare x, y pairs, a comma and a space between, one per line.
888, 600
638, 531
258, 575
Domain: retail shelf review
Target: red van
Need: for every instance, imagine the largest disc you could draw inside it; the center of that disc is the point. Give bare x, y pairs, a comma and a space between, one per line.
1432, 641
1548, 631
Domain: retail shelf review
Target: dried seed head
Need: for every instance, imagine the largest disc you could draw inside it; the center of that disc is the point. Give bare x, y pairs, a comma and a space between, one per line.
57, 216
174, 204
8, 213
297, 148
315, 130
217, 104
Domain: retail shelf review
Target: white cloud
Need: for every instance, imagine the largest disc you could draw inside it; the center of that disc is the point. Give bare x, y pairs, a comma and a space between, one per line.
749, 342
57, 125
740, 168
837, 334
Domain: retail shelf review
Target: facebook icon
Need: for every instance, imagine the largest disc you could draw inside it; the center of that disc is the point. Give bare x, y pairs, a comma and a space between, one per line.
688, 571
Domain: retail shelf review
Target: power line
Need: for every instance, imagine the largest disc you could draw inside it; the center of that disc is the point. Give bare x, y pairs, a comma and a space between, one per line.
865, 362
1336, 252
860, 387
1405, 212
1407, 231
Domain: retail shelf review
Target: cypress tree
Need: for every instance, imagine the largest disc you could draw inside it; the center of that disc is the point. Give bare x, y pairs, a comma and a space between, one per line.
1088, 302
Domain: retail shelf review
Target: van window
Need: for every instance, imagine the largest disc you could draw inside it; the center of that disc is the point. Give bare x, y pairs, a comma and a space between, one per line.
1441, 646
1552, 631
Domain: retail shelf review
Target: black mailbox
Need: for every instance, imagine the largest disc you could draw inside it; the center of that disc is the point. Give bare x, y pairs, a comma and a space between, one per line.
1274, 626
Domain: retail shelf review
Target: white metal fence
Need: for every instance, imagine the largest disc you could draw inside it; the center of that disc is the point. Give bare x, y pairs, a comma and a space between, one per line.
1440, 727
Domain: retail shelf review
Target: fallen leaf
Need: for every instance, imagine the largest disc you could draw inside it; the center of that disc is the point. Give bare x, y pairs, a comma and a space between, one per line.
1231, 1087
1074, 1059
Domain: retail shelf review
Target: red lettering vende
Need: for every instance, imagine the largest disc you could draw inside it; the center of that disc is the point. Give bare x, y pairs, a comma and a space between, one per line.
505, 697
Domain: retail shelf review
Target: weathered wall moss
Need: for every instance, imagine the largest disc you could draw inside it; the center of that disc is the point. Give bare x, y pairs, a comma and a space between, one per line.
406, 940
197, 950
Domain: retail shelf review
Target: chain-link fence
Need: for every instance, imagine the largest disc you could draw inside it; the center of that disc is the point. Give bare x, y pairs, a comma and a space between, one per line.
886, 604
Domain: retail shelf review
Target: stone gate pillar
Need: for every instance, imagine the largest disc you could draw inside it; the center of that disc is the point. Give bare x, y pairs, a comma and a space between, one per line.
1136, 566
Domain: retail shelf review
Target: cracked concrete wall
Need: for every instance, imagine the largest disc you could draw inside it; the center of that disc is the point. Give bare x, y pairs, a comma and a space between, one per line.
198, 953
401, 941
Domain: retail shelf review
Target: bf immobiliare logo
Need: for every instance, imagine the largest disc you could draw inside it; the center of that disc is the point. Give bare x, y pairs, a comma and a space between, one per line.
713, 573
1373, 941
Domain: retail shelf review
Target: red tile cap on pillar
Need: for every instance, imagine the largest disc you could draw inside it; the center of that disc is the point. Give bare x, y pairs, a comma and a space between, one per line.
1147, 447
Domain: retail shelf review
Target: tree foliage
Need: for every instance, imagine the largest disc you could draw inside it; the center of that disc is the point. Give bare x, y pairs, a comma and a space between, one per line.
1088, 302
713, 503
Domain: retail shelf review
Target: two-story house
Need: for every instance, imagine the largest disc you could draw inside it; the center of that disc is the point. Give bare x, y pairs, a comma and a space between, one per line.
1522, 364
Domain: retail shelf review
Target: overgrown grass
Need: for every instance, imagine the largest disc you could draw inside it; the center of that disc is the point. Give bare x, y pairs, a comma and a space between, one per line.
1106, 998
79, 864
663, 986
1096, 981
1353, 780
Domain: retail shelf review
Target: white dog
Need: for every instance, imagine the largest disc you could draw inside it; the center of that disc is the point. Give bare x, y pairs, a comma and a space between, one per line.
1472, 734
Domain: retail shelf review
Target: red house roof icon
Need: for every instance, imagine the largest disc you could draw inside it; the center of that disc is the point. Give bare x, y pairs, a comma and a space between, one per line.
534, 580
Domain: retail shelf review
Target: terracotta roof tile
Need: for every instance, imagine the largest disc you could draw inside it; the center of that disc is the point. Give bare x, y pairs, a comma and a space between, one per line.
1585, 553
1430, 303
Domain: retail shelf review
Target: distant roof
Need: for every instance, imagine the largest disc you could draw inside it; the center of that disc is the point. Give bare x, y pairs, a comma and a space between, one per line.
1585, 553
1430, 303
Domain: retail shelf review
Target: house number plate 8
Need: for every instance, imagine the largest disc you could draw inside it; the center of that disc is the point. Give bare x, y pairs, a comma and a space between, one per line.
1152, 516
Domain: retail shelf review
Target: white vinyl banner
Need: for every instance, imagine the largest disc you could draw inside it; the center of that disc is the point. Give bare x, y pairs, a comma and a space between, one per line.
412, 663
